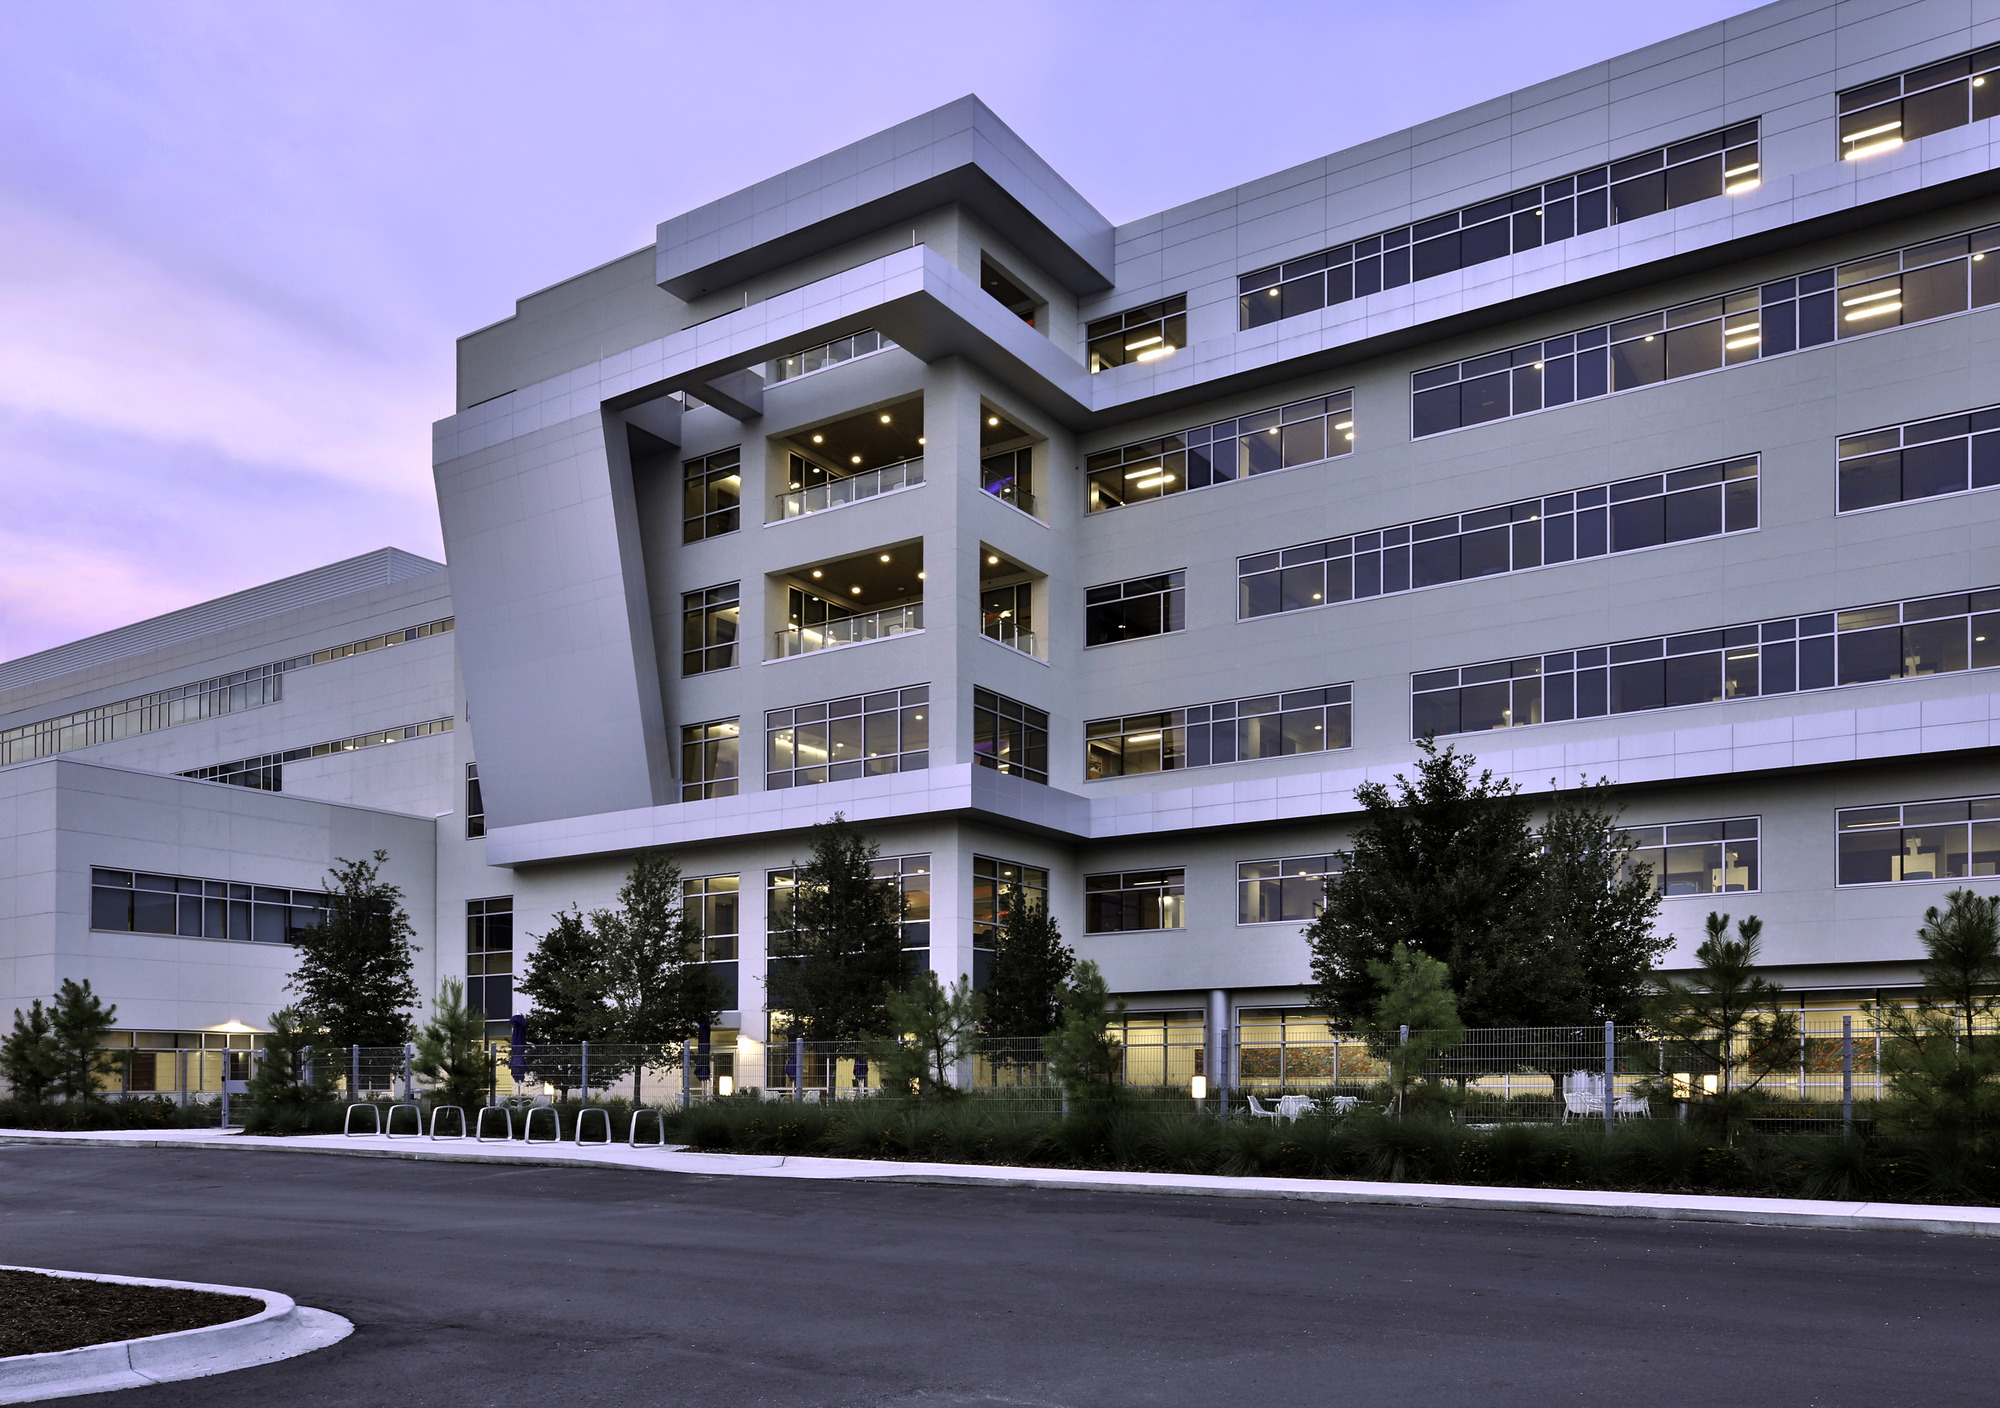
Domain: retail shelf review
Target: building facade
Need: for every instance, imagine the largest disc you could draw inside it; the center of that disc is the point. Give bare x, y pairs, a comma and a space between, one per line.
1636, 426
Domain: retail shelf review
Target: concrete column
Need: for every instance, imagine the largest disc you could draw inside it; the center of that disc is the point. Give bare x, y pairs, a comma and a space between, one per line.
1217, 1060
951, 556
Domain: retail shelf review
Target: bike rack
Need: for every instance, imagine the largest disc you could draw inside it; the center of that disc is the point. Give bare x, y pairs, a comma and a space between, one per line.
347, 1126
458, 1110
528, 1125
389, 1122
659, 1119
479, 1130
583, 1114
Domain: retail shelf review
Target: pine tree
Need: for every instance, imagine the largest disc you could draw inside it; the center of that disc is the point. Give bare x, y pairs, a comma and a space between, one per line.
1082, 1053
1445, 865
78, 1024
1729, 1019
1600, 914
846, 935
1415, 1016
451, 1050
28, 1056
354, 967
1943, 1056
288, 1091
935, 1027
1025, 979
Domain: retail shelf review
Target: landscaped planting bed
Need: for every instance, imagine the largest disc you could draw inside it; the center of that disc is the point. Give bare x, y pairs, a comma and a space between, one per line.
50, 1313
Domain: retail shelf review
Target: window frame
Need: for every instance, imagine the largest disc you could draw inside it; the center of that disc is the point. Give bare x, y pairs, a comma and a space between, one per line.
1172, 594
1201, 728
911, 707
1015, 741
716, 467
1981, 823
697, 624
1170, 893
1337, 860
1261, 442
1640, 833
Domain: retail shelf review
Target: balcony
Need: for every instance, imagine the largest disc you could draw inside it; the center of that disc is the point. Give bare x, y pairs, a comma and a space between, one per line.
848, 630
836, 493
1007, 602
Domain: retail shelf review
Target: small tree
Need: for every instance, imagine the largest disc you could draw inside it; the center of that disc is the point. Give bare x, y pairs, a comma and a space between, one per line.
78, 1024
1600, 913
1729, 1019
1025, 980
287, 1090
354, 966
1416, 995
564, 975
936, 1026
451, 1049
657, 991
1943, 1070
1446, 866
1082, 1053
27, 1055
845, 933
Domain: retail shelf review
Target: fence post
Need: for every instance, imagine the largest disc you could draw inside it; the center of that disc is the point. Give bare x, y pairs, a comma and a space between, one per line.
1222, 1076
409, 1085
355, 1084
687, 1065
584, 1093
1610, 1066
799, 1069
1847, 1076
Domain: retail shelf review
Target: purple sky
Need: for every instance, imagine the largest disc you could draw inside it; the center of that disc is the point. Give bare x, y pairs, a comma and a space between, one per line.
238, 240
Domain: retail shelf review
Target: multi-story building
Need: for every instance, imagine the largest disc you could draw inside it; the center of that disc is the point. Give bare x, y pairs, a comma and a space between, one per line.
1636, 425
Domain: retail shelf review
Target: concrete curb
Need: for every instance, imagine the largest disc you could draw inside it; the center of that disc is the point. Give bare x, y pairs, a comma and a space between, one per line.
1941, 1220
281, 1330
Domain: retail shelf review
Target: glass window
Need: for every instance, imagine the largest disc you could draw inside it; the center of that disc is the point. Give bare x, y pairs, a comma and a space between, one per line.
912, 876
1010, 477
185, 907
1721, 162
1899, 640
1282, 437
1948, 840
827, 354
475, 803
864, 735
711, 902
1138, 335
714, 495
1697, 857
1287, 891
1134, 900
1703, 501
708, 760
1890, 290
998, 886
1882, 115
489, 957
709, 620
1205, 735
1144, 606
1009, 736
1921, 460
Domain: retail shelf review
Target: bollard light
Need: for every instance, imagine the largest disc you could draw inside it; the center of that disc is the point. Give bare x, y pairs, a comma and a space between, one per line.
1711, 1084
1198, 1087
725, 1085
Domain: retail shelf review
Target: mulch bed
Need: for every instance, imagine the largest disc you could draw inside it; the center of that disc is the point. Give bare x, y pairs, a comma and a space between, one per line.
49, 1313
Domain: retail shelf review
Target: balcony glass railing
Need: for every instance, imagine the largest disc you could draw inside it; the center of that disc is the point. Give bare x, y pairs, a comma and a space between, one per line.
865, 485
1009, 633
827, 354
849, 630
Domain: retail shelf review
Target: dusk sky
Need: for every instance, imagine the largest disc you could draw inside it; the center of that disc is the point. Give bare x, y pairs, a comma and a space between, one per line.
240, 239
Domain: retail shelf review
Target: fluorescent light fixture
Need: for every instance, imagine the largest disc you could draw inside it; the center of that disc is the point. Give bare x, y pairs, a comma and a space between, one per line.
1889, 144
1741, 186
1349, 425
1874, 297
1750, 341
725, 1085
1154, 353
1154, 483
1142, 473
1144, 342
1739, 170
1874, 131
1875, 312
1144, 738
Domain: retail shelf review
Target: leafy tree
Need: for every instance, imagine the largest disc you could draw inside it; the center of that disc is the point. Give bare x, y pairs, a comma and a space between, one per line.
27, 1055
451, 1049
287, 1091
1415, 994
1025, 980
353, 974
565, 977
1729, 1020
936, 1028
1599, 911
1446, 866
1082, 1053
846, 940
1943, 1069
78, 1023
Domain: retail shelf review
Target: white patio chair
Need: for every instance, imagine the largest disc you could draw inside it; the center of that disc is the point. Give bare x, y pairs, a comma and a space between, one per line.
1257, 1109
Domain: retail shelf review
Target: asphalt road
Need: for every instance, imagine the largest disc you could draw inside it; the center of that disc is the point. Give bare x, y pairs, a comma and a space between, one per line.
533, 1286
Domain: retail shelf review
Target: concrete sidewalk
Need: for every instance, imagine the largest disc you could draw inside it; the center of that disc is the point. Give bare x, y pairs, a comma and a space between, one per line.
1769, 1212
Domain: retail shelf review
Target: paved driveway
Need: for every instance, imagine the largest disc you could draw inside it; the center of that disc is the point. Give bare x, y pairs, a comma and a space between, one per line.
531, 1286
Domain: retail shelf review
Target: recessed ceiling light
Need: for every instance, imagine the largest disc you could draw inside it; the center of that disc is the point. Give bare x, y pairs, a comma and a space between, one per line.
885, 418
857, 458
885, 557
992, 561
817, 573
819, 439
993, 420
920, 439
855, 590
920, 577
